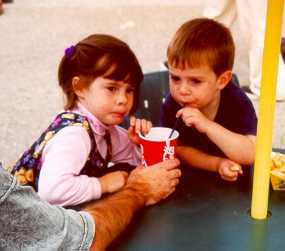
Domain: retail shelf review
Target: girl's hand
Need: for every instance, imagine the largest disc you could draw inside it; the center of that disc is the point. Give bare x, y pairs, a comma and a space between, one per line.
136, 126
193, 117
229, 170
114, 181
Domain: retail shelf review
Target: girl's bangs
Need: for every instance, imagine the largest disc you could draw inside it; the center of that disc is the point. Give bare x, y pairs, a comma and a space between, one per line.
118, 70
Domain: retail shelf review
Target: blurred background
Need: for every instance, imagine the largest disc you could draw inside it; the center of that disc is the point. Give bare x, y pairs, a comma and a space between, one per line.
34, 34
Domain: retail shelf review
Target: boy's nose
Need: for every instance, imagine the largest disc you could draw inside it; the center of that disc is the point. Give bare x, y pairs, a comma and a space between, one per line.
184, 89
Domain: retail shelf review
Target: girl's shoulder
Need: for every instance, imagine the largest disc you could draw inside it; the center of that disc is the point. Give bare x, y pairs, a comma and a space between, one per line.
69, 119
27, 168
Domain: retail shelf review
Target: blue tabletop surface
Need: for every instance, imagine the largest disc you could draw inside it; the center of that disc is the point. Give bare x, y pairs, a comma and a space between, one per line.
206, 213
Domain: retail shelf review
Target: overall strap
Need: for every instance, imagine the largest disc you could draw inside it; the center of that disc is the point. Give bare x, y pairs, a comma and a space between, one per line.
96, 165
27, 168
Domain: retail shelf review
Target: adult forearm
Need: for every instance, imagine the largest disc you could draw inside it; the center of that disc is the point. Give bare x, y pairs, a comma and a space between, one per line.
113, 214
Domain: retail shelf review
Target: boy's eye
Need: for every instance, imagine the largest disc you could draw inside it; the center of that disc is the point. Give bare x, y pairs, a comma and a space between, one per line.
174, 78
196, 81
111, 88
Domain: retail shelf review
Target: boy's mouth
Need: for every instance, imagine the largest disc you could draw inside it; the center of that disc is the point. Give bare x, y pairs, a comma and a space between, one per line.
188, 104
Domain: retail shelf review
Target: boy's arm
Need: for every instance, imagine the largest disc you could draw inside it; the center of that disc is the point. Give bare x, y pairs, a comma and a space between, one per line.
195, 158
237, 147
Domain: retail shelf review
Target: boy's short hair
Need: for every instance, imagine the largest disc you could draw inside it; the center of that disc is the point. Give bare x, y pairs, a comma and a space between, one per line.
202, 41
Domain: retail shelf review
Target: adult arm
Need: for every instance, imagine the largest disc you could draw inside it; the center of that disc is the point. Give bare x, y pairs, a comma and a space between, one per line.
29, 223
55, 228
145, 186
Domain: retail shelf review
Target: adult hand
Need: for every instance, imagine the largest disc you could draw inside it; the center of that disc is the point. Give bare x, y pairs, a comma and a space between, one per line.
145, 186
155, 182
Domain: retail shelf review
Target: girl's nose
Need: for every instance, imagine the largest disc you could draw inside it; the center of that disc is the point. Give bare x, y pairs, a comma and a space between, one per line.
122, 99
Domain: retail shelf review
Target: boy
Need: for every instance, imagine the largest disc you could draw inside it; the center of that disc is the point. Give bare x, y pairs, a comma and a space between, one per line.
216, 120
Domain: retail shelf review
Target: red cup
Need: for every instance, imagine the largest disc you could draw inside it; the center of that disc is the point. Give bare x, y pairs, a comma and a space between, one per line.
156, 146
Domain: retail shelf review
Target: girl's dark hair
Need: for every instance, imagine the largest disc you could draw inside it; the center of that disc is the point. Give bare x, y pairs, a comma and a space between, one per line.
99, 55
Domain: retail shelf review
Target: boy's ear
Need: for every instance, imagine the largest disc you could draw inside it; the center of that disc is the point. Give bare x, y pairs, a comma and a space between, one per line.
224, 79
77, 86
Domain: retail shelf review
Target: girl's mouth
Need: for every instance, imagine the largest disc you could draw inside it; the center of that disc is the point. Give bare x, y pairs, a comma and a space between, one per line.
118, 114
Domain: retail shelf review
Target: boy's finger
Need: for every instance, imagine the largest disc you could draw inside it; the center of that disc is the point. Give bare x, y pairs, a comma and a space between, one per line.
179, 113
228, 178
236, 167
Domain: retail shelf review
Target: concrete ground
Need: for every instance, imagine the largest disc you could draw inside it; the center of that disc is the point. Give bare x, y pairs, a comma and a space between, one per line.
34, 34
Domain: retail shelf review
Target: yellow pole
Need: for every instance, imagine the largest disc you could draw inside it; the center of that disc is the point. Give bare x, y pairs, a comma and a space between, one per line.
271, 52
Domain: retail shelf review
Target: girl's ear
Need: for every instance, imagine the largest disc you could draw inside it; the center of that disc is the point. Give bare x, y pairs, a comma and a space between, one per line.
77, 86
224, 79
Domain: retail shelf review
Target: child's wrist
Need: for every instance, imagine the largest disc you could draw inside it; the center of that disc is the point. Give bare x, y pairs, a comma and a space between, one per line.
210, 128
104, 187
218, 164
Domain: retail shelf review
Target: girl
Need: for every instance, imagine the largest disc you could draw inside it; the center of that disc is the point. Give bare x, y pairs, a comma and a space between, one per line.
68, 164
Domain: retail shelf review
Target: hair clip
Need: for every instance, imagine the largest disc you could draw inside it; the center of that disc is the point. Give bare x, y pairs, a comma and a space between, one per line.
69, 52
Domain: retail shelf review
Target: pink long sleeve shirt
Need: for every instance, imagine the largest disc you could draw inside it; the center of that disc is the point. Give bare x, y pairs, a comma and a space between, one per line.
65, 155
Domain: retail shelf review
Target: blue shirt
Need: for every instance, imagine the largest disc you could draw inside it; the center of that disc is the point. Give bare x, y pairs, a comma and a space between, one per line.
235, 113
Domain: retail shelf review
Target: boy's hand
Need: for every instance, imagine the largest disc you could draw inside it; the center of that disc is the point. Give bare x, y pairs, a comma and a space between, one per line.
229, 170
193, 117
114, 181
136, 126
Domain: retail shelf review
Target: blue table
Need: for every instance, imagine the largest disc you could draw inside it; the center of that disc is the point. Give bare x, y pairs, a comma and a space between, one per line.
206, 213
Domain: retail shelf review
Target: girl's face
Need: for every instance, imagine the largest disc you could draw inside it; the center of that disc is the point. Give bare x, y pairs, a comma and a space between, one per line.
108, 100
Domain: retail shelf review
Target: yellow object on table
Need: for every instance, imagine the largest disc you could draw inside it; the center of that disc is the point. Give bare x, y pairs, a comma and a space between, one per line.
277, 173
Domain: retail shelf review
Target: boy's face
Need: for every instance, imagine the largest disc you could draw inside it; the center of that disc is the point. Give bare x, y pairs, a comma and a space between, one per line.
196, 87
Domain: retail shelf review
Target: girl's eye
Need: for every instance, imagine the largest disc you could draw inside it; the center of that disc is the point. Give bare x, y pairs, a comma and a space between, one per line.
130, 90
